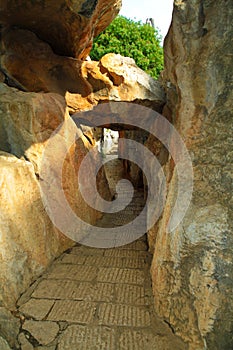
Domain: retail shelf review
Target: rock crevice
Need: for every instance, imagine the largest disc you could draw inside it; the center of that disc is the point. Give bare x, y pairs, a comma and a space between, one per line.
45, 79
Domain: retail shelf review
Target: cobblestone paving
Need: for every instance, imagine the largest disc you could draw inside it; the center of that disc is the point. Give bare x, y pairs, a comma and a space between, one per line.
95, 299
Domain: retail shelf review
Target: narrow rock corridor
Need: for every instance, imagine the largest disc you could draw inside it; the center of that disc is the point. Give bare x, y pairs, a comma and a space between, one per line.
92, 298
71, 278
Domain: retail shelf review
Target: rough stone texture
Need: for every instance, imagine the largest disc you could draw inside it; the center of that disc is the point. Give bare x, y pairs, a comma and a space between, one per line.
192, 267
122, 276
67, 26
73, 311
24, 343
4, 345
117, 78
95, 315
42, 80
33, 66
43, 332
37, 309
27, 121
131, 169
77, 336
162, 155
9, 328
29, 242
137, 340
123, 315
28, 239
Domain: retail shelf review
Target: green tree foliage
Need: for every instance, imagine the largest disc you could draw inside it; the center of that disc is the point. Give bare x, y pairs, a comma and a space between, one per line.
132, 39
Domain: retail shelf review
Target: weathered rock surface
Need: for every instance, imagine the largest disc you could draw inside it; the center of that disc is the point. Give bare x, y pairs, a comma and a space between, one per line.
29, 239
192, 266
9, 329
3, 344
24, 342
30, 62
107, 291
67, 26
117, 78
27, 120
33, 66
39, 330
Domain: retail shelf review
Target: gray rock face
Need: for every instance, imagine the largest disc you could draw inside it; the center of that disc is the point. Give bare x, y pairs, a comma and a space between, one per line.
3, 344
9, 329
192, 266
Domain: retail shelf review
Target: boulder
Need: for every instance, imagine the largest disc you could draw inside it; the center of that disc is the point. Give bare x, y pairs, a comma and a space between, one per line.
67, 26
30, 65
118, 78
192, 266
33, 66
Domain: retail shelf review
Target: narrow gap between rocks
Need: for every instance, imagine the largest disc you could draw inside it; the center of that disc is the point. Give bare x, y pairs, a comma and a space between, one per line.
93, 298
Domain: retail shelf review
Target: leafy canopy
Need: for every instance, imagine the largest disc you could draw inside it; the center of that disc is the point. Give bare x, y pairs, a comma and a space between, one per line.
131, 39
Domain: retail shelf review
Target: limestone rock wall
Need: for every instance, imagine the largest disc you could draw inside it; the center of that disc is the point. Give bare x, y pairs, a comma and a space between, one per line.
36, 74
43, 81
29, 239
192, 267
67, 26
32, 65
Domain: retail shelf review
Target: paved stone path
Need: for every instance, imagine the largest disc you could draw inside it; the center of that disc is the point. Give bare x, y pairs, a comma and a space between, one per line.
96, 299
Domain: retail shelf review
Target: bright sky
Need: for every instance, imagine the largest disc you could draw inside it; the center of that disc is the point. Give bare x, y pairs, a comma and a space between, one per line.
160, 10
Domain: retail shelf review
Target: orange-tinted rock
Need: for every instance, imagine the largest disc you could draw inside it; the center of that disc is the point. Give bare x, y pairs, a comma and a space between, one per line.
29, 240
27, 121
67, 26
117, 78
32, 64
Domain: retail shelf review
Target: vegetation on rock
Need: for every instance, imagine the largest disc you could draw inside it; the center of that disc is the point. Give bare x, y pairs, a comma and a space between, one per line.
133, 39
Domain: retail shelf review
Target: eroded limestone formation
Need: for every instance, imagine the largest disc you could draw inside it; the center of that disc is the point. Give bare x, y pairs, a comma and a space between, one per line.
43, 82
192, 266
29, 241
34, 81
67, 26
